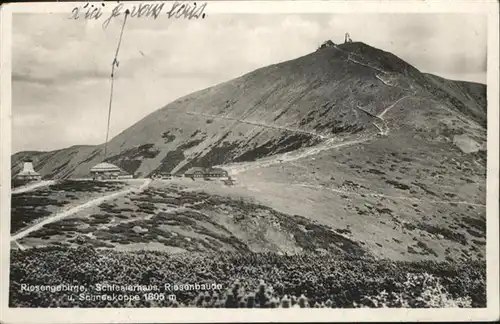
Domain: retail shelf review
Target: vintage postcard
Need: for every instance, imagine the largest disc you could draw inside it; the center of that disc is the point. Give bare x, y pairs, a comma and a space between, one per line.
229, 161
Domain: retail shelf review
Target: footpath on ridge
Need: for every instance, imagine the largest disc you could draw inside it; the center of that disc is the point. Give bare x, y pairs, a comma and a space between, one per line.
331, 142
380, 123
275, 127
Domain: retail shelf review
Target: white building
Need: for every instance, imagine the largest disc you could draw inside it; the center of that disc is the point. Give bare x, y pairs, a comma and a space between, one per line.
106, 170
28, 173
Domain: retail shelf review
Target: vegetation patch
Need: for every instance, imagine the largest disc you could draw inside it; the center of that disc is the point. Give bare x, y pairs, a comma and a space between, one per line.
216, 156
29, 207
304, 280
86, 186
398, 185
286, 143
91, 156
375, 171
445, 232
130, 160
424, 188
478, 224
168, 137
174, 157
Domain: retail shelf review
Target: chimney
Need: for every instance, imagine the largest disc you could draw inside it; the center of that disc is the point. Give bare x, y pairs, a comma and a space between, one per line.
28, 167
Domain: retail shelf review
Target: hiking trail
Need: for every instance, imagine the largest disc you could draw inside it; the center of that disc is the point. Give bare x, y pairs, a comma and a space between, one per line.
284, 128
32, 187
73, 210
331, 142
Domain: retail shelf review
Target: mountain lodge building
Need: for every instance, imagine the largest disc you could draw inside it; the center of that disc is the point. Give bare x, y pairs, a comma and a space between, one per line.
195, 172
104, 171
215, 173
198, 172
28, 173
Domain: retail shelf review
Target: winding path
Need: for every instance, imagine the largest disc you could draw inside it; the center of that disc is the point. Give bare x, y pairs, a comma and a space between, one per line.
330, 143
19, 246
294, 130
94, 202
383, 130
327, 145
391, 106
33, 186
236, 168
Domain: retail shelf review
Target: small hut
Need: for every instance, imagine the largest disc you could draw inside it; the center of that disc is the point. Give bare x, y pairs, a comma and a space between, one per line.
104, 170
195, 172
215, 173
326, 44
28, 173
207, 173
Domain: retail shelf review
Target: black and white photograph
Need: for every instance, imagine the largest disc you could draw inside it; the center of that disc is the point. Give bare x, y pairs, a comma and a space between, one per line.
167, 155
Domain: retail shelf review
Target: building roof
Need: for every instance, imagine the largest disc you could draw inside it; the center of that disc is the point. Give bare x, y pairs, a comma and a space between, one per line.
195, 169
105, 167
28, 169
215, 170
205, 170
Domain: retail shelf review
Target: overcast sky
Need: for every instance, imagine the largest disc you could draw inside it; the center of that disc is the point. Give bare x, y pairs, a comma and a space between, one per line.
61, 67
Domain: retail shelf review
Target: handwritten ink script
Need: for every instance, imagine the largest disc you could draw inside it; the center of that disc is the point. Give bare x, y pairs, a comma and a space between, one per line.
179, 10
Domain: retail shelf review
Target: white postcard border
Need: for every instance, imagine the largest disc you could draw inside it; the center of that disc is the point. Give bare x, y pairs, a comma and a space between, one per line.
124, 315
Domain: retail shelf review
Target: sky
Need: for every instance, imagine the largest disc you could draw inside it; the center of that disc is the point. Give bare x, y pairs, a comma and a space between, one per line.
61, 67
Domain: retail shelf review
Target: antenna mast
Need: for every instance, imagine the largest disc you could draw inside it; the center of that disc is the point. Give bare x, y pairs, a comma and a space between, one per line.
113, 65
347, 38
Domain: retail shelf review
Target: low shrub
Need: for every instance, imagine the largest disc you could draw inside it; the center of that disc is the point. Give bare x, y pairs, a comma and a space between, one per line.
304, 280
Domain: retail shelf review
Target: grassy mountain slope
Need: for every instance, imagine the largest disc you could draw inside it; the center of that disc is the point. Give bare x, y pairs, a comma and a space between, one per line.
276, 109
356, 173
302, 138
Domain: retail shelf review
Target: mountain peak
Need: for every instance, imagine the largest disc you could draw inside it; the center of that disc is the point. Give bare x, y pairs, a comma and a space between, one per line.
270, 111
379, 58
361, 48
